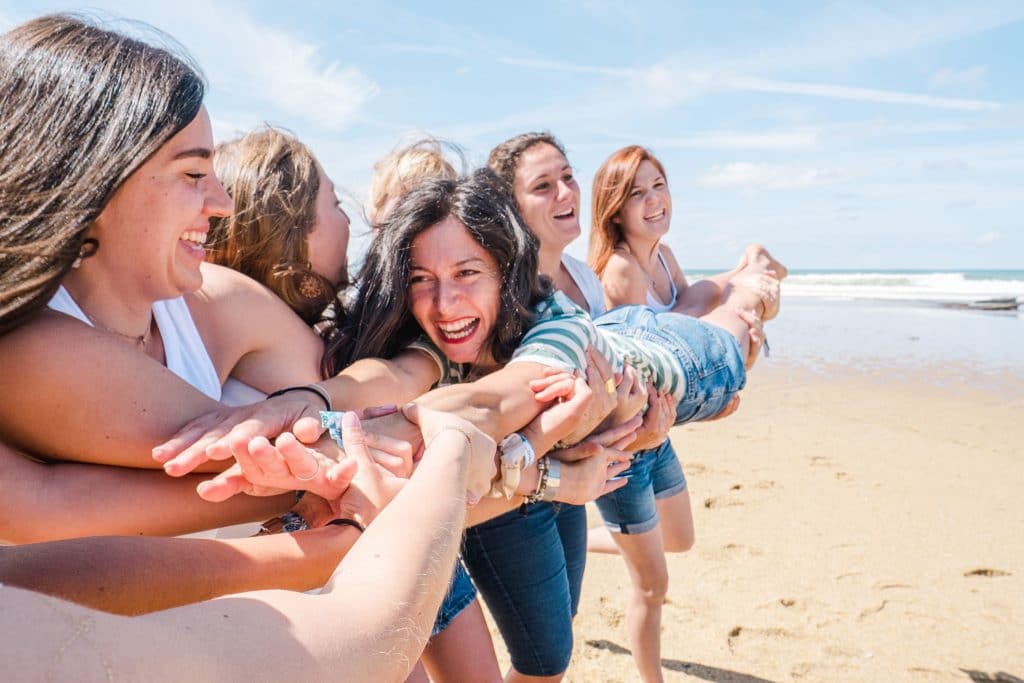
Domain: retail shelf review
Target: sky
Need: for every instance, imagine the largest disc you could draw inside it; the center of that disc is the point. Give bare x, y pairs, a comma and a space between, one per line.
840, 134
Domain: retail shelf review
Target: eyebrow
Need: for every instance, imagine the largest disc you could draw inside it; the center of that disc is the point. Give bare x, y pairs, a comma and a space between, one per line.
471, 259
545, 175
201, 152
656, 179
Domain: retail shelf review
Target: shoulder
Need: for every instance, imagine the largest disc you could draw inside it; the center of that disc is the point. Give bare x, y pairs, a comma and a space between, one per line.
673, 265
624, 281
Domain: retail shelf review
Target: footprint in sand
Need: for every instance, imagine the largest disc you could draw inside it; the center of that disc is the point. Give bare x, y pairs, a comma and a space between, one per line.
984, 571
821, 461
721, 502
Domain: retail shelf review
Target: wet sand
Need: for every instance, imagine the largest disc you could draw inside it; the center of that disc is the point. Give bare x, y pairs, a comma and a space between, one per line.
855, 522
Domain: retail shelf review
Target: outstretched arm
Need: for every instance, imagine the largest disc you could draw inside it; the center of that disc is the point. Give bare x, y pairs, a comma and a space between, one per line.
371, 623
50, 501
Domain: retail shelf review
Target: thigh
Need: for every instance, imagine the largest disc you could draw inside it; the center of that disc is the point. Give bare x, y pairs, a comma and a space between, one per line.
676, 517
518, 564
631, 509
572, 529
463, 651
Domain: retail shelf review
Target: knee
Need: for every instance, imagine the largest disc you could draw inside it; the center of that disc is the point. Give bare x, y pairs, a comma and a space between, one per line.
653, 587
680, 543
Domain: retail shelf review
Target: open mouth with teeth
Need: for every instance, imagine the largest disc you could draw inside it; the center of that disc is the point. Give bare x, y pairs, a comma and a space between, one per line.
458, 331
568, 213
657, 215
193, 241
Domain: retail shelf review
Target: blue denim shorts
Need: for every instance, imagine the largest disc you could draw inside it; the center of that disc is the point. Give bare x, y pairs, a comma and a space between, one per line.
653, 474
529, 569
710, 356
460, 593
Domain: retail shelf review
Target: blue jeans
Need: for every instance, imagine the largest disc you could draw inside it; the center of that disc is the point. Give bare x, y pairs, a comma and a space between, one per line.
529, 568
460, 593
710, 356
653, 474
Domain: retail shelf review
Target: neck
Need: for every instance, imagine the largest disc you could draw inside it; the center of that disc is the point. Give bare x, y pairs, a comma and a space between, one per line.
645, 251
123, 315
549, 262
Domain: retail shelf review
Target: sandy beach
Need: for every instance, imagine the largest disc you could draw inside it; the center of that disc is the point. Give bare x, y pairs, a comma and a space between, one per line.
855, 522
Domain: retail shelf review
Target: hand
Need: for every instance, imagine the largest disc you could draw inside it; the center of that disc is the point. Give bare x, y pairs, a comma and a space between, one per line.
601, 381
728, 410
589, 468
373, 487
558, 420
482, 469
263, 469
216, 435
658, 420
631, 397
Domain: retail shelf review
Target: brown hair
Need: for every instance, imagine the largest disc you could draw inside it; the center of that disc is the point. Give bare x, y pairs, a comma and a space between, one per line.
504, 158
405, 168
83, 107
612, 184
274, 180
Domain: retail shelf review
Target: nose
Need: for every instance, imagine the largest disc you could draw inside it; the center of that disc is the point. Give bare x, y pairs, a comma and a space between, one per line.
218, 201
564, 190
446, 295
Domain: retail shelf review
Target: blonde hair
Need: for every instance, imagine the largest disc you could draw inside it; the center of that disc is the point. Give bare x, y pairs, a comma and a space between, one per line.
274, 180
403, 169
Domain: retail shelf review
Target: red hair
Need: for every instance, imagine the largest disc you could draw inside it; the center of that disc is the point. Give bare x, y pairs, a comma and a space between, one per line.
612, 184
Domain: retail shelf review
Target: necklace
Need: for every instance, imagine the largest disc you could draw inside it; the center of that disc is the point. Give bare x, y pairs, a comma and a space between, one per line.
139, 340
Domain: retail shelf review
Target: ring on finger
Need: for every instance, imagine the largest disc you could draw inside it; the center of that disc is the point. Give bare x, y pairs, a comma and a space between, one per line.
315, 472
609, 385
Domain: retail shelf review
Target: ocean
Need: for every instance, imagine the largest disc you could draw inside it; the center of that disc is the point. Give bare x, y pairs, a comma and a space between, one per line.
888, 322
935, 287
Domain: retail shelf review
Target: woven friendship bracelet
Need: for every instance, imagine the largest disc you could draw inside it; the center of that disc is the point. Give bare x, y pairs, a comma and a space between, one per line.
331, 421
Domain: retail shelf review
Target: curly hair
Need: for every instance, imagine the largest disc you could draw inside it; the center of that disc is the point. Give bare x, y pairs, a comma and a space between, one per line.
380, 323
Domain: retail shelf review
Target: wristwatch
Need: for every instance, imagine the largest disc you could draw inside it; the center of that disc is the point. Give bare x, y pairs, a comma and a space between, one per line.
516, 455
554, 480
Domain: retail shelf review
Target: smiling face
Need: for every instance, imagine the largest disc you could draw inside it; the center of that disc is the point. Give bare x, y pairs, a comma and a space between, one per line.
548, 196
454, 291
151, 232
327, 242
648, 208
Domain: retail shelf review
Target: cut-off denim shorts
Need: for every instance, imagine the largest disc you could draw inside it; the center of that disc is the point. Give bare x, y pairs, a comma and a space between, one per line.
710, 356
653, 474
460, 593
529, 569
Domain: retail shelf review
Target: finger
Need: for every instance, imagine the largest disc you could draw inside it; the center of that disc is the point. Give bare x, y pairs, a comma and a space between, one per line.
377, 411
599, 364
615, 485
308, 429
338, 478
226, 484
610, 436
412, 412
184, 438
298, 461
564, 388
392, 463
389, 444
354, 437
616, 456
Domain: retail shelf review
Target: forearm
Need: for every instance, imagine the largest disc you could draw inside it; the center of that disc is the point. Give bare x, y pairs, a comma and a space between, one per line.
497, 404
68, 392
130, 575
46, 502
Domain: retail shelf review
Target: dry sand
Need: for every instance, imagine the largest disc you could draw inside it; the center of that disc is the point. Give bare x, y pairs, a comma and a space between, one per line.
850, 527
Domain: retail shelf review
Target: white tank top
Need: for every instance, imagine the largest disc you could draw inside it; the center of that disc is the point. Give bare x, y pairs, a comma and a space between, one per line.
588, 282
652, 299
184, 350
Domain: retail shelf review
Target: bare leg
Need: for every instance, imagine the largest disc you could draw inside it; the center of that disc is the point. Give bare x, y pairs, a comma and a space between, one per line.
418, 674
599, 540
644, 555
514, 676
463, 651
676, 524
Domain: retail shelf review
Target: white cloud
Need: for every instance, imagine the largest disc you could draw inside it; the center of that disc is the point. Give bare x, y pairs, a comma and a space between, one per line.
990, 237
554, 65
442, 50
750, 175
852, 93
281, 69
957, 78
